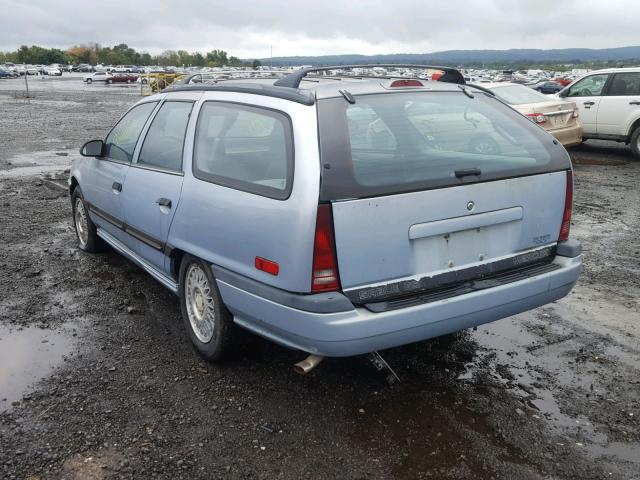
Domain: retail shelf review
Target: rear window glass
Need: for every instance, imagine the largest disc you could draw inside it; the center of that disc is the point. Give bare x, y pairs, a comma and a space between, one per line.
519, 95
397, 142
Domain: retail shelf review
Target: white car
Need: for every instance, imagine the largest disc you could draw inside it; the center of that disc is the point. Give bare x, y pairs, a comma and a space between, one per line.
97, 77
609, 104
53, 71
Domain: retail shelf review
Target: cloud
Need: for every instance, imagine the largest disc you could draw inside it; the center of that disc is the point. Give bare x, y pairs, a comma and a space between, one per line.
251, 27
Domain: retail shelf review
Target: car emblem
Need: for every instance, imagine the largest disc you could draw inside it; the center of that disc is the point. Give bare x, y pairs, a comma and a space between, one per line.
470, 205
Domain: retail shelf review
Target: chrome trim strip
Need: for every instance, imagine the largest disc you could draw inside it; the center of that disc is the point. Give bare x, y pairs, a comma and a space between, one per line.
553, 114
135, 258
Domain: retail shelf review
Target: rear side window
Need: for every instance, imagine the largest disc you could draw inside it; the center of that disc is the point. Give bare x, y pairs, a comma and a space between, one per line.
400, 142
246, 148
164, 142
625, 84
121, 141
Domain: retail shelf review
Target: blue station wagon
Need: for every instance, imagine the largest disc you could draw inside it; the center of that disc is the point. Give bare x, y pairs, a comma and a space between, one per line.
333, 215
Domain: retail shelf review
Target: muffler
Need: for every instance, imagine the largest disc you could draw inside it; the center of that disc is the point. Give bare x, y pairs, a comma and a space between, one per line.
308, 364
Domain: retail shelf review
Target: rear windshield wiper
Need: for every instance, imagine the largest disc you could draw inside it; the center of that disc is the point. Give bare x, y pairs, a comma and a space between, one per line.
468, 172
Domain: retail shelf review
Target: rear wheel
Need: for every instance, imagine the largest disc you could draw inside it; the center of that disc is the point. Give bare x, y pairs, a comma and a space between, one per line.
635, 142
206, 319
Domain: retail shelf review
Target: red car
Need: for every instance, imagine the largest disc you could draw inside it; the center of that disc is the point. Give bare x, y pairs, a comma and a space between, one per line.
563, 81
121, 78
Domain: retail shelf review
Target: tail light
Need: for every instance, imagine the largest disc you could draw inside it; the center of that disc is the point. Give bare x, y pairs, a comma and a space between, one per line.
566, 216
324, 276
537, 117
406, 83
576, 112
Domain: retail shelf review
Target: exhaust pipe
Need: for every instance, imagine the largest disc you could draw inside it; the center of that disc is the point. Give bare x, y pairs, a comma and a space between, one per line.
308, 364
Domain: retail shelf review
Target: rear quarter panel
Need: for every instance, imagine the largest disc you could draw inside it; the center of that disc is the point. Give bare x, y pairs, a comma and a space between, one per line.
229, 227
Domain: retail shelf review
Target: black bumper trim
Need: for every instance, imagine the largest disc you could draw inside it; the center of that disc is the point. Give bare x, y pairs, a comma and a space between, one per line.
491, 281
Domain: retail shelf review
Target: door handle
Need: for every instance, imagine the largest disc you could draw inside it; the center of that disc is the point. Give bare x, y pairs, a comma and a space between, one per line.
589, 103
164, 202
635, 102
117, 187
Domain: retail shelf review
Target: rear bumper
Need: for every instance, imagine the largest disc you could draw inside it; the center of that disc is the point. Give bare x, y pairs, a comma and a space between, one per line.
357, 330
568, 136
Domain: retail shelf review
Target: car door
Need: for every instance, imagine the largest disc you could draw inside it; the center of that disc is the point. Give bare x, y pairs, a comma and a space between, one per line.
620, 105
105, 175
587, 93
153, 185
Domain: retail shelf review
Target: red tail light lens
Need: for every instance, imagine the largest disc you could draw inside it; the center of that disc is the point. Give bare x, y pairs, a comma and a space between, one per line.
566, 216
267, 266
325, 267
536, 117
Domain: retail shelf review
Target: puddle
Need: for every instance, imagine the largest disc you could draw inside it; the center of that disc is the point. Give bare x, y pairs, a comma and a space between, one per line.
28, 355
33, 170
38, 163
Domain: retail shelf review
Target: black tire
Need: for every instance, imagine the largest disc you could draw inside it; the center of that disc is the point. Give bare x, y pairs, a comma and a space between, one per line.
90, 242
109, 81
634, 143
220, 344
89, 80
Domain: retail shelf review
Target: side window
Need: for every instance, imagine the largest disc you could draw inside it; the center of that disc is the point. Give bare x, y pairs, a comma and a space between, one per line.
164, 142
589, 86
246, 148
121, 141
625, 84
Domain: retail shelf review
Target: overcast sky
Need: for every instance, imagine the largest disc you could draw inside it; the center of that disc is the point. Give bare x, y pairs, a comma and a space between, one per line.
247, 28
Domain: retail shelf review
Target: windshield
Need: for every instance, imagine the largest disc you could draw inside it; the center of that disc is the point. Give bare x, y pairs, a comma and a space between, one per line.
395, 142
518, 94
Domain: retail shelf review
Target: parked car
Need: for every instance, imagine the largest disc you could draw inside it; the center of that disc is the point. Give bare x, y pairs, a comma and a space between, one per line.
547, 87
609, 104
564, 81
53, 71
323, 218
97, 77
122, 78
4, 73
84, 68
558, 117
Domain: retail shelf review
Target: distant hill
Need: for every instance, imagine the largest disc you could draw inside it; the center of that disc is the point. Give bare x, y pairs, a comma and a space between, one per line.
471, 57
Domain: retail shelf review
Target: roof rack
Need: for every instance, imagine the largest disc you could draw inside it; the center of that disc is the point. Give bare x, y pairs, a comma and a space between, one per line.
451, 75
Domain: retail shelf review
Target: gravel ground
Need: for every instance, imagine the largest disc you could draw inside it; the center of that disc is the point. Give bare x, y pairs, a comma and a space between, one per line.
97, 378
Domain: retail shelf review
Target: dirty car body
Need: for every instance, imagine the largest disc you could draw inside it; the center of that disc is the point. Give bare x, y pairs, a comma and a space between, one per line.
338, 217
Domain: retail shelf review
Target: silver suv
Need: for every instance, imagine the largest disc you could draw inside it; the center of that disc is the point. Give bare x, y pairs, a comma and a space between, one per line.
333, 215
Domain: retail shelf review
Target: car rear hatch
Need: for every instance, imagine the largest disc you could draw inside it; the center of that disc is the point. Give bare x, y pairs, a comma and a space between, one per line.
417, 211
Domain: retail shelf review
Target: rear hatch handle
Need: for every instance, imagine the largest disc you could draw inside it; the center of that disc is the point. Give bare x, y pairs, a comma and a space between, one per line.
468, 172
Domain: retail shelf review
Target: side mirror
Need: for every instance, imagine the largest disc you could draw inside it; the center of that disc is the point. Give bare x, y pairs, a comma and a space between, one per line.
92, 148
563, 93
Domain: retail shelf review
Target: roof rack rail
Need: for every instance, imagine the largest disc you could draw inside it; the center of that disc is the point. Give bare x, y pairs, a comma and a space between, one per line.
451, 75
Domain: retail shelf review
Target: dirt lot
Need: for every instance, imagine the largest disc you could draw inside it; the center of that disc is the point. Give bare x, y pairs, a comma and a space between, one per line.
97, 378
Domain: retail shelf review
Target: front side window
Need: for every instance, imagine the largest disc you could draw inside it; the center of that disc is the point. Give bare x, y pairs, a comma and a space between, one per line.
164, 142
589, 87
625, 84
246, 148
121, 141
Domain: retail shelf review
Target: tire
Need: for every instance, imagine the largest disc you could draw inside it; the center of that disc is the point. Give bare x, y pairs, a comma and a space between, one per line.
128, 80
109, 81
88, 240
89, 80
634, 143
210, 329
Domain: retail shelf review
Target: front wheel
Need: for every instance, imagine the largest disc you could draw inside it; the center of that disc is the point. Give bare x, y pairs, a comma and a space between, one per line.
89, 80
86, 233
208, 322
635, 142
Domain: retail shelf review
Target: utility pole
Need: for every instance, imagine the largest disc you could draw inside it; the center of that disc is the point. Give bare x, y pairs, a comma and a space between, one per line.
271, 58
